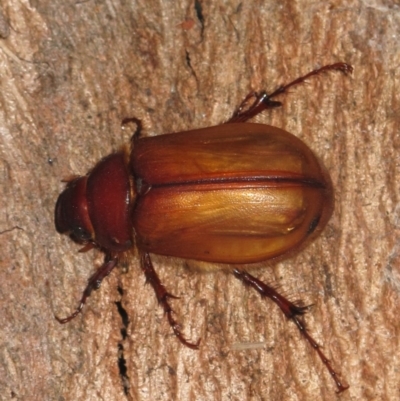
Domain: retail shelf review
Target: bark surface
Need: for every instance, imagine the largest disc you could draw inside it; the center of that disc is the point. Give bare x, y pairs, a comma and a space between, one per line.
71, 71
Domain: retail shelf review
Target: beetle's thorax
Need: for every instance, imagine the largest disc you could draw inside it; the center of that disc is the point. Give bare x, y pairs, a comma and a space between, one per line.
99, 205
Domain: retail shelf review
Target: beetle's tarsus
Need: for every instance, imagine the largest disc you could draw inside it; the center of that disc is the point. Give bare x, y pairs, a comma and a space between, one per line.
67, 319
299, 310
169, 295
343, 67
94, 283
263, 100
162, 297
292, 312
177, 328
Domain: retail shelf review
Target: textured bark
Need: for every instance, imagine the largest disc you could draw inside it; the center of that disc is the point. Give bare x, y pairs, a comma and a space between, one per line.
71, 72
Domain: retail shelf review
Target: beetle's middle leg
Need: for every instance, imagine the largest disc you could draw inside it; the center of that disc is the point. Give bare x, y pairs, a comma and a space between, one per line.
292, 312
262, 101
162, 297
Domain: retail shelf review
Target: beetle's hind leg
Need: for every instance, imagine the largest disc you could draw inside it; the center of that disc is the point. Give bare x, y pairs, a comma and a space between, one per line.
292, 312
162, 297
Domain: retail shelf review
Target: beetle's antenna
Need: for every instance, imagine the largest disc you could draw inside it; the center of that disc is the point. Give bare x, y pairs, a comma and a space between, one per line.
292, 312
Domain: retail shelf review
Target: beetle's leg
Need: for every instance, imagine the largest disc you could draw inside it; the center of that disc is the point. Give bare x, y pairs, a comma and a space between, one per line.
263, 100
162, 297
292, 312
139, 126
93, 284
343, 67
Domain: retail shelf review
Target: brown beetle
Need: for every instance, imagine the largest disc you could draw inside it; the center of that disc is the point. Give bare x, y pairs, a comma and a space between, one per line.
235, 193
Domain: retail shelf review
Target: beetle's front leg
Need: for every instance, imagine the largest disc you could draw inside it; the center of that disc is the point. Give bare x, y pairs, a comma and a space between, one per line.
162, 297
292, 312
93, 284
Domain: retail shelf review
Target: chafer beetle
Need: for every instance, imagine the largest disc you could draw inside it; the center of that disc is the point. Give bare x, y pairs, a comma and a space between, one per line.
235, 193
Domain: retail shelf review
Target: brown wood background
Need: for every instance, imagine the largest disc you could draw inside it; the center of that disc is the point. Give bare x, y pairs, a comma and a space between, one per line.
71, 71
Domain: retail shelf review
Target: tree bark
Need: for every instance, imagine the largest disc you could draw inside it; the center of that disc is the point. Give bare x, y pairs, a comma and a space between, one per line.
71, 72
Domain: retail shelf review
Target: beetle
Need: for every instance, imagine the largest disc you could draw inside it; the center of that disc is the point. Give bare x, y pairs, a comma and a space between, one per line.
233, 194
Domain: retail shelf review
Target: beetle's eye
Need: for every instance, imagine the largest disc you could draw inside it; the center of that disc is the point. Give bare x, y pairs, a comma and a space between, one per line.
79, 234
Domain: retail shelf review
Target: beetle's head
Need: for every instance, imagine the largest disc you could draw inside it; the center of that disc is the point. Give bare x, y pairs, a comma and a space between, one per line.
71, 214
